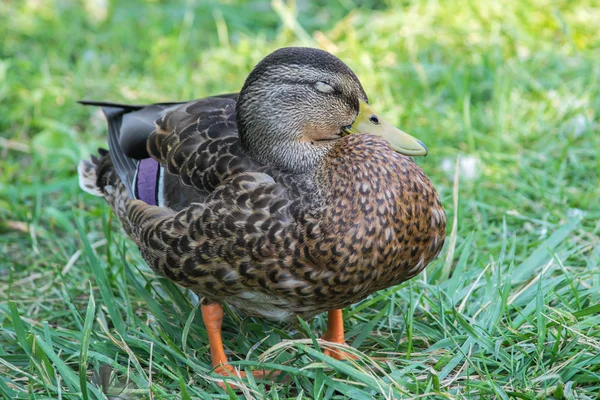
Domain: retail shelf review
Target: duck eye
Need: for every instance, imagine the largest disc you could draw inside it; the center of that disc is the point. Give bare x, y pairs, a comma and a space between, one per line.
374, 119
323, 87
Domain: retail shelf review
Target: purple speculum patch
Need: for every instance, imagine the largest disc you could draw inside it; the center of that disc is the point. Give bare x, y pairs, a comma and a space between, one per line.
147, 180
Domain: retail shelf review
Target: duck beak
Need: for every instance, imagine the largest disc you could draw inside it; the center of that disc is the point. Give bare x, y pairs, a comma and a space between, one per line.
369, 121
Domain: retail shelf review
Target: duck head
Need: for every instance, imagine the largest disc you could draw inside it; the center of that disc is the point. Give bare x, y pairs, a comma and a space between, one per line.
297, 103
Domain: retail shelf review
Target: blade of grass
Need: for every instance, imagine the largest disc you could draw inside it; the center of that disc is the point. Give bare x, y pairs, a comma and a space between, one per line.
85, 343
103, 282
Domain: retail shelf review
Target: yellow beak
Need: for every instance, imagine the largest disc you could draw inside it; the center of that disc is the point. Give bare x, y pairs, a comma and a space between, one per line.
368, 121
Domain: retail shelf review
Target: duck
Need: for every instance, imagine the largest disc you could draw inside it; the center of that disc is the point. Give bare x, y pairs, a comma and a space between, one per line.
291, 198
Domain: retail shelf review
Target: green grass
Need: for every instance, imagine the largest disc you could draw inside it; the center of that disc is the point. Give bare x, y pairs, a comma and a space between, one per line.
509, 310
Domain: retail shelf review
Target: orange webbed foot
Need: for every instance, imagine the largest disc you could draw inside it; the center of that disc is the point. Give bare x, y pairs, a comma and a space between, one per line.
337, 353
228, 370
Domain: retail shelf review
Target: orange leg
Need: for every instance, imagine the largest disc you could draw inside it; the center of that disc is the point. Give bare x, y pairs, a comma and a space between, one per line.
335, 334
212, 315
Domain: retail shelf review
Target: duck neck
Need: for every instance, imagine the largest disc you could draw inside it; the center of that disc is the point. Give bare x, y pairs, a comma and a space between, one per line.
297, 157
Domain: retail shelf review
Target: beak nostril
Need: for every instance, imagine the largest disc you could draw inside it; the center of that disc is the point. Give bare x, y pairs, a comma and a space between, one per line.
374, 119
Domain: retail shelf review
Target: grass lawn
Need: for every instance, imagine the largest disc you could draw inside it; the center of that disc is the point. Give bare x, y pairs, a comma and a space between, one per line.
506, 94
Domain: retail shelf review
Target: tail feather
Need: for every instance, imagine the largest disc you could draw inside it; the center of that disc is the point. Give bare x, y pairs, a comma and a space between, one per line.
99, 177
88, 180
124, 166
128, 128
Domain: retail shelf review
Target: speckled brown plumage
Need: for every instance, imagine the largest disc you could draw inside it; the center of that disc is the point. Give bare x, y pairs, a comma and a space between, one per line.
270, 241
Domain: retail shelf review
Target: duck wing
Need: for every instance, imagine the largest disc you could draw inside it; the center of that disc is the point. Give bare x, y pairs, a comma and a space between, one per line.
172, 154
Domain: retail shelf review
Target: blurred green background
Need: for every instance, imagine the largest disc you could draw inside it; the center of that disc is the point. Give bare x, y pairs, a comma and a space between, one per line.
504, 93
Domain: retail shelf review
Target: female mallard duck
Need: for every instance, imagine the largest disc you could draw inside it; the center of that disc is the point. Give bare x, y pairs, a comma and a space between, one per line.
292, 198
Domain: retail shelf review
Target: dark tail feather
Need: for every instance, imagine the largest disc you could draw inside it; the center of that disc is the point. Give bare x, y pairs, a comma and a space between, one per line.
128, 129
124, 166
128, 107
115, 113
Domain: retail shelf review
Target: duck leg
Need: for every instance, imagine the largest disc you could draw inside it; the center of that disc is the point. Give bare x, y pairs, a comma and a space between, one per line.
212, 315
335, 334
